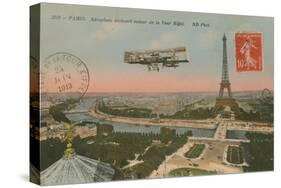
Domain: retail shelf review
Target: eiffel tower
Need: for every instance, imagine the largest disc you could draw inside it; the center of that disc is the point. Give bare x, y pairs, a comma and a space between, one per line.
223, 101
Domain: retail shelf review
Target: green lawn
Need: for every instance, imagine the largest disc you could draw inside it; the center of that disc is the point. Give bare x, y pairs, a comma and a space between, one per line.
234, 155
195, 151
190, 172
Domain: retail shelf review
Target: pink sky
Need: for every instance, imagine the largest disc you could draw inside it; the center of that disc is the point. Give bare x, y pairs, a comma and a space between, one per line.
162, 83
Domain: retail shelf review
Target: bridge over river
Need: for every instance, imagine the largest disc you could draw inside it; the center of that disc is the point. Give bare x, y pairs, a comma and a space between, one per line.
219, 136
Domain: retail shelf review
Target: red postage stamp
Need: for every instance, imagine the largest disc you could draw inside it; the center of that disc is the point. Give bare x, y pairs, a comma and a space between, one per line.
248, 52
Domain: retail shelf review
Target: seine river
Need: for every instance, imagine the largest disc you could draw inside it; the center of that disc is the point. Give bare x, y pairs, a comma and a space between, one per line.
123, 127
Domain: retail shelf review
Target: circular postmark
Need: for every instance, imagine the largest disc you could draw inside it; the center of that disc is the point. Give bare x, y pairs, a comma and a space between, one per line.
64, 76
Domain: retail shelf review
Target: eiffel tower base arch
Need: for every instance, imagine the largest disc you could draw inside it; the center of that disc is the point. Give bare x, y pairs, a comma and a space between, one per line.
222, 102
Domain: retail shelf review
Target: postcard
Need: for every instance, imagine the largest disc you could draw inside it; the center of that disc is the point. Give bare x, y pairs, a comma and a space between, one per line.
127, 94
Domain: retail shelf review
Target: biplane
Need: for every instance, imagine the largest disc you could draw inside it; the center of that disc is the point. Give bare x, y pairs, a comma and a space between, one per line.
154, 59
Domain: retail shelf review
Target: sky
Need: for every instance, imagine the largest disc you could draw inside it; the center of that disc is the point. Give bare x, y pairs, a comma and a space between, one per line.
101, 47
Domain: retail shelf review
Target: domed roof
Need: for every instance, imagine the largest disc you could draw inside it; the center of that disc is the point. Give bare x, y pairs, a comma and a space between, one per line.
77, 169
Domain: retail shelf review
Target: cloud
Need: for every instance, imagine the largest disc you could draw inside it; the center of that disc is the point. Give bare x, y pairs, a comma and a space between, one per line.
168, 40
209, 39
109, 30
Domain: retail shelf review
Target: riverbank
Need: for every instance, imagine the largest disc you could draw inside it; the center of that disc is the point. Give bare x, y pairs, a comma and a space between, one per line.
202, 124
